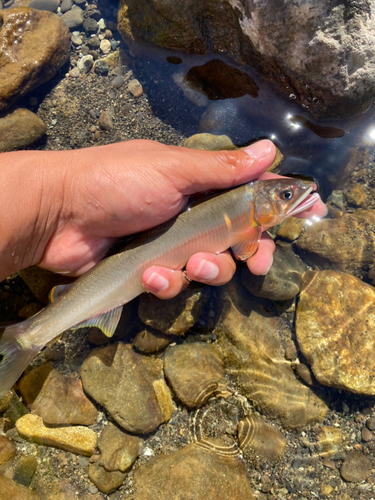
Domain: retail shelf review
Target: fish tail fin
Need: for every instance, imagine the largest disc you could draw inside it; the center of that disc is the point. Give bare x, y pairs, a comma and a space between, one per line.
15, 355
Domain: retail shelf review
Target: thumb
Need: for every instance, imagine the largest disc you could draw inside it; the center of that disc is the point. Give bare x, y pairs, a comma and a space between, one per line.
194, 170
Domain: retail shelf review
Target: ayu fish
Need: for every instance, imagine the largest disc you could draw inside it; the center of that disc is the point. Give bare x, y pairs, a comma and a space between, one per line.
235, 218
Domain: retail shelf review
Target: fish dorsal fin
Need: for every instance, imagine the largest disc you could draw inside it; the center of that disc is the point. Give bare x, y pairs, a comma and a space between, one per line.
248, 244
107, 322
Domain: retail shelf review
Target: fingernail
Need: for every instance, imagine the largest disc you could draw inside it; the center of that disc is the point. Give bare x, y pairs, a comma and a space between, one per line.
157, 282
206, 270
259, 149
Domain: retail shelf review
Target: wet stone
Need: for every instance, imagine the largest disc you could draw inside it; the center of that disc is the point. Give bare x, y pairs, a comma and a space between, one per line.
366, 434
7, 453
259, 440
119, 450
203, 473
282, 282
105, 481
73, 18
371, 423
25, 470
248, 337
105, 121
135, 88
85, 63
290, 229
118, 81
66, 5
76, 40
149, 340
356, 196
30, 384
105, 46
62, 401
174, 316
20, 129
93, 42
194, 372
331, 441
101, 68
50, 5
209, 142
78, 439
11, 490
356, 467
130, 386
335, 327
90, 25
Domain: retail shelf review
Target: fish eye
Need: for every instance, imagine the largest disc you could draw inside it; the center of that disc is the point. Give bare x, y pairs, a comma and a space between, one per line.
287, 194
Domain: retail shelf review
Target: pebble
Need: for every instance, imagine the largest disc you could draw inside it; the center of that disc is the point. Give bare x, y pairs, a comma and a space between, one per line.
326, 489
209, 142
290, 229
105, 481
66, 5
50, 5
213, 476
80, 2
73, 18
105, 46
130, 386
366, 434
76, 40
119, 450
356, 467
102, 25
75, 72
20, 129
194, 371
101, 68
330, 441
105, 121
85, 63
329, 341
62, 401
93, 42
118, 81
78, 439
135, 88
90, 25
356, 196
371, 423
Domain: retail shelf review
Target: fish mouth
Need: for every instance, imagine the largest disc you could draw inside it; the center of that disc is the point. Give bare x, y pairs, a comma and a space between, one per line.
305, 201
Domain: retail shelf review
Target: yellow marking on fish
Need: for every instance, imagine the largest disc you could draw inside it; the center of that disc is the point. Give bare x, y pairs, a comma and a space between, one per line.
228, 222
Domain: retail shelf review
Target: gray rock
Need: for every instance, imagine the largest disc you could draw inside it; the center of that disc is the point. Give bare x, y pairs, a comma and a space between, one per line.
90, 25
118, 81
93, 42
85, 63
76, 40
80, 2
101, 68
50, 5
66, 5
73, 18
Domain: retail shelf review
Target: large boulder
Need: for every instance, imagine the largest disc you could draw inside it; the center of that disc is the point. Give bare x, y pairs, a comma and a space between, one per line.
319, 53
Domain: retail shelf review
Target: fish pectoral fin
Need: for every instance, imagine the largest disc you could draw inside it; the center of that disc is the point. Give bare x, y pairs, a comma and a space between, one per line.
58, 291
107, 322
248, 244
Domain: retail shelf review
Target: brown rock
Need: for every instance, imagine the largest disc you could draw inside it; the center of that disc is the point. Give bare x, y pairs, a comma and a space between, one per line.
209, 142
366, 434
149, 340
356, 467
290, 229
106, 482
259, 440
130, 386
31, 383
247, 335
78, 439
119, 450
194, 371
330, 440
62, 401
40, 281
174, 316
356, 196
20, 129
11, 490
34, 45
135, 88
335, 326
344, 244
7, 453
192, 473
105, 121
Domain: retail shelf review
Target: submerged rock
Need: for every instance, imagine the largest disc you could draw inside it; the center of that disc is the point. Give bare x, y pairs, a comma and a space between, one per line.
119, 450
259, 440
356, 467
34, 44
194, 372
20, 129
11, 490
105, 481
248, 337
209, 142
335, 327
7, 453
25, 470
192, 473
130, 386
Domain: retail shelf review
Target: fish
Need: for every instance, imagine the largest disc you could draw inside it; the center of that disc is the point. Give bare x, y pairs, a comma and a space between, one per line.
233, 219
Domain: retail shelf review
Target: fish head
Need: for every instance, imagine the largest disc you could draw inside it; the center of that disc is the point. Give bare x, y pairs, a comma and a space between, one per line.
277, 199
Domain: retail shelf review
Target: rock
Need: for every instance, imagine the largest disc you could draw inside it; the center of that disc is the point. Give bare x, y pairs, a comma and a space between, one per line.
194, 473
194, 372
20, 129
135, 88
150, 341
105, 121
175, 316
43, 46
356, 467
75, 72
105, 46
11, 490
290, 229
66, 5
259, 440
62, 401
118, 82
344, 244
282, 282
105, 481
78, 439
209, 142
7, 453
93, 42
371, 423
366, 434
197, 98
85, 63
25, 470
31, 384
90, 25
130, 386
331, 441
326, 489
40, 281
335, 327
76, 40
50, 5
119, 450
303, 48
247, 335
101, 67
356, 196
73, 18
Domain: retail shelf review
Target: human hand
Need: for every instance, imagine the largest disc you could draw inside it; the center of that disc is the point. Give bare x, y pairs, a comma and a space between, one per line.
124, 188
